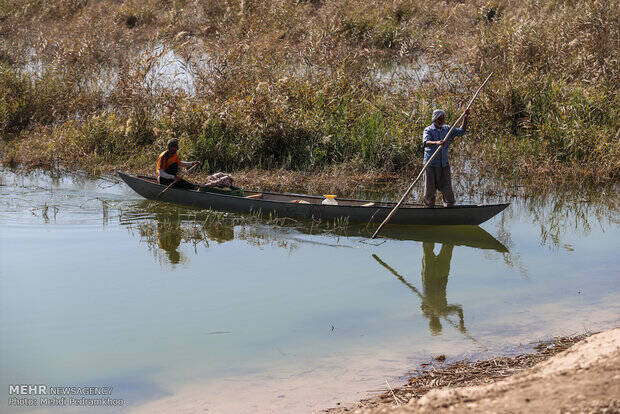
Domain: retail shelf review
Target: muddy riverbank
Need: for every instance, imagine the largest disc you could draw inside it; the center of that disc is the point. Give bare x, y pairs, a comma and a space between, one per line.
570, 374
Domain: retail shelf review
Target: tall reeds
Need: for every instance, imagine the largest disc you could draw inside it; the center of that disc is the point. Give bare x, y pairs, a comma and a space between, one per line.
306, 85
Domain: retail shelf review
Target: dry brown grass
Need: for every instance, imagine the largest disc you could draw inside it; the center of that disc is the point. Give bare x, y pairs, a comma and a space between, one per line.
305, 85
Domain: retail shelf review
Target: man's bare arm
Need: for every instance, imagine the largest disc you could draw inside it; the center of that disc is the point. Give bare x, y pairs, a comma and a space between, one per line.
189, 163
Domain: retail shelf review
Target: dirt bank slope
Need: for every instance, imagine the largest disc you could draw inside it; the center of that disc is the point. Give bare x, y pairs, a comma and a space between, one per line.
583, 378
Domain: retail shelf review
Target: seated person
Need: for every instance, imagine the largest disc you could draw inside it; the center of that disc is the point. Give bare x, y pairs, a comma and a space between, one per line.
168, 169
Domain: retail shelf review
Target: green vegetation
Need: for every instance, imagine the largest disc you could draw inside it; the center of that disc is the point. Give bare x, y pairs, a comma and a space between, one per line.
311, 85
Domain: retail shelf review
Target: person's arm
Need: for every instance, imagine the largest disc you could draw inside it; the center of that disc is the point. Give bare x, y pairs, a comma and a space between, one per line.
426, 139
441, 142
428, 142
458, 132
164, 174
189, 163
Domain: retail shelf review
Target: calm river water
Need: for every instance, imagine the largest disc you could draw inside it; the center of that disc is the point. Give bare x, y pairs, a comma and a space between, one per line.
180, 310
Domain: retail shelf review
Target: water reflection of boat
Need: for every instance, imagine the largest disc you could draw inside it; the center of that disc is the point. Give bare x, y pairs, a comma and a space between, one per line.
307, 206
165, 228
470, 236
434, 301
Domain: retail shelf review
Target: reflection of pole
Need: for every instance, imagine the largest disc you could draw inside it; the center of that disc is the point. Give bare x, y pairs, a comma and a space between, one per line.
417, 292
402, 279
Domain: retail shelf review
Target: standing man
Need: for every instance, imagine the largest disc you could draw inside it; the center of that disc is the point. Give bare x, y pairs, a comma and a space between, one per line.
437, 174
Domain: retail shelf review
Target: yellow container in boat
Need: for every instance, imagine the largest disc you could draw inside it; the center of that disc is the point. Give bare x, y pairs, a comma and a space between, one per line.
330, 199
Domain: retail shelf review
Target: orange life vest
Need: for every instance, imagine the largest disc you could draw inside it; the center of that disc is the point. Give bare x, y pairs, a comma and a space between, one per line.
168, 163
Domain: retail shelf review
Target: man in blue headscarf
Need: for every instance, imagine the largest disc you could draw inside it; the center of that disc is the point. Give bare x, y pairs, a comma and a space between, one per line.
437, 174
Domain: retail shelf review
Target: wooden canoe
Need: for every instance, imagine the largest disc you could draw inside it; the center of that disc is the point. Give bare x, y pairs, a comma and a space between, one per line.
307, 206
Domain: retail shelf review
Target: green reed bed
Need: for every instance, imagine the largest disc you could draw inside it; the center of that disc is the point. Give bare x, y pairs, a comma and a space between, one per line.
302, 86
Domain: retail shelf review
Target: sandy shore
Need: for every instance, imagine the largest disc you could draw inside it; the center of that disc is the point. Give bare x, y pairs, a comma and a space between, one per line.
578, 374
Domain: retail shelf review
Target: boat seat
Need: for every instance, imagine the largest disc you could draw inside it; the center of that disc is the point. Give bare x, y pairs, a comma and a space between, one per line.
259, 195
371, 204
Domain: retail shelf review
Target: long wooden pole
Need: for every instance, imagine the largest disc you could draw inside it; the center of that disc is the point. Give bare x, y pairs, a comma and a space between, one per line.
174, 182
402, 199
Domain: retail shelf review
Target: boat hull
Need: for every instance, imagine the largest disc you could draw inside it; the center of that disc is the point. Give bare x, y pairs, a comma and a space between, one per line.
457, 215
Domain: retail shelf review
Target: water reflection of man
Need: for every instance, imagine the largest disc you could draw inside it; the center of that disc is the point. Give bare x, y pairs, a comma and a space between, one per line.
220, 233
435, 272
169, 237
